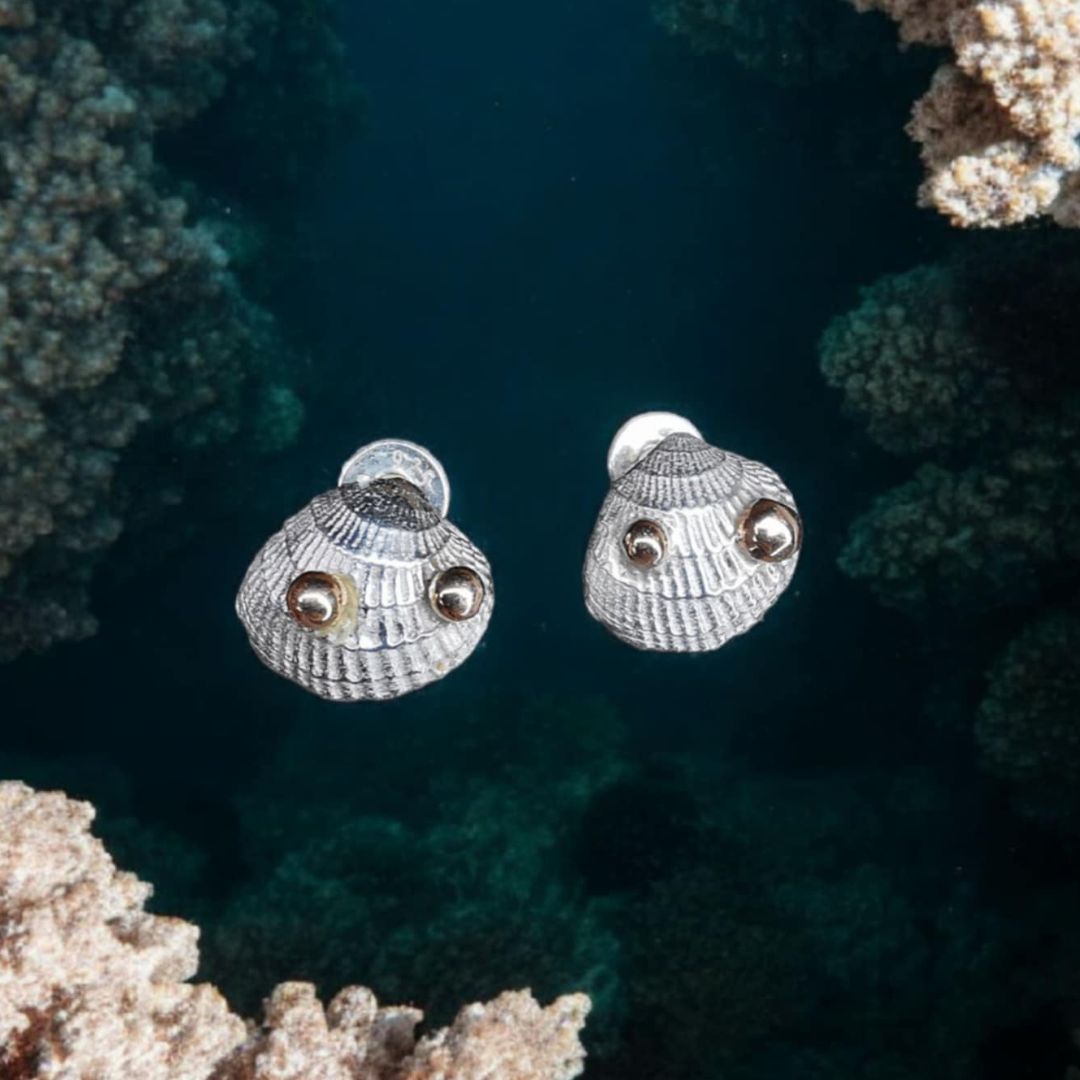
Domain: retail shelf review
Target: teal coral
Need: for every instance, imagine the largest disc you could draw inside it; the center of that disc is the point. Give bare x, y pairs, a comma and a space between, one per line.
123, 327
414, 904
974, 538
1026, 727
932, 361
968, 365
910, 366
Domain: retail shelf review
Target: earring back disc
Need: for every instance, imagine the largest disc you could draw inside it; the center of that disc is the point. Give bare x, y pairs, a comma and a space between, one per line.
639, 435
400, 459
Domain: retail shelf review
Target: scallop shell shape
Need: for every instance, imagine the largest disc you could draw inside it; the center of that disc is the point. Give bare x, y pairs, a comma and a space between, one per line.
390, 543
706, 588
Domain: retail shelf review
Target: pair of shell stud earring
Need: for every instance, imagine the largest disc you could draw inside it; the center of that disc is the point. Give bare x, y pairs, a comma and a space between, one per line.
370, 592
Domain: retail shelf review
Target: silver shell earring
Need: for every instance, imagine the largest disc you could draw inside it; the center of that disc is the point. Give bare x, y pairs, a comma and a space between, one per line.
692, 544
369, 592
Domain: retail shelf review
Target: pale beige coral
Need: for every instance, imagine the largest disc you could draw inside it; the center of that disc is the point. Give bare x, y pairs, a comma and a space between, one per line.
999, 129
979, 172
923, 22
1028, 53
92, 985
351, 1039
506, 1038
510, 1038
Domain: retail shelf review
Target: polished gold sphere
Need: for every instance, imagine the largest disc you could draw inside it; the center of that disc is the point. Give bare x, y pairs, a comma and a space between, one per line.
645, 543
457, 593
770, 531
316, 599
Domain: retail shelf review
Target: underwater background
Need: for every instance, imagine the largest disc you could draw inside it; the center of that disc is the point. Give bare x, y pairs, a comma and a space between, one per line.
843, 845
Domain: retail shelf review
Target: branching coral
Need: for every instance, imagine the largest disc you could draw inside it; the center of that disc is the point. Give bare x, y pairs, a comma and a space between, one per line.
93, 985
998, 128
1027, 723
119, 318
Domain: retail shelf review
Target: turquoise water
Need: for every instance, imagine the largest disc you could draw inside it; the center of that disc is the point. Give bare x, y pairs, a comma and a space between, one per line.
794, 856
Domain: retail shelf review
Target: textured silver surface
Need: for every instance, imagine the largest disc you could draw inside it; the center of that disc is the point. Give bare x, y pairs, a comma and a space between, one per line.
392, 543
706, 588
405, 460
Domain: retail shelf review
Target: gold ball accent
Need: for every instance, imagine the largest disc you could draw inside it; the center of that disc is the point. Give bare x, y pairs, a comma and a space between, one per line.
316, 599
457, 593
645, 543
770, 531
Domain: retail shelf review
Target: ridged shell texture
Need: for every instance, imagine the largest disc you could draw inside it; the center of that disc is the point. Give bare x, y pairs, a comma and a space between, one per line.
391, 543
706, 589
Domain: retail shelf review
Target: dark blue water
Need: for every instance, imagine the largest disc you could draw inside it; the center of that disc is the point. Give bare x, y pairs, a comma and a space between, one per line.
781, 858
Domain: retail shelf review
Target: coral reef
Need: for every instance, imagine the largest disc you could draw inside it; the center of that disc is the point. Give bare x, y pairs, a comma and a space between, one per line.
93, 984
999, 127
969, 539
714, 971
355, 1039
934, 360
793, 917
475, 870
966, 363
910, 366
124, 334
1026, 726
787, 914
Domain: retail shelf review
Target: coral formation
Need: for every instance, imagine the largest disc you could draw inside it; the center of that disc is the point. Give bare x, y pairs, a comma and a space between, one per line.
715, 970
999, 127
754, 951
932, 360
92, 984
409, 898
967, 363
972, 538
122, 327
1026, 725
909, 365
354, 1039
779, 922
